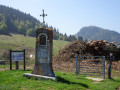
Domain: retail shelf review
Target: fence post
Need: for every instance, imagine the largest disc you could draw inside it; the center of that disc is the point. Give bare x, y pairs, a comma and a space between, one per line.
76, 63
109, 69
104, 67
79, 65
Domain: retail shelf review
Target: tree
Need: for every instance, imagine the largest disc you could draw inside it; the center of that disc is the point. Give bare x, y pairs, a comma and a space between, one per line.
66, 38
55, 36
80, 38
30, 32
36, 27
60, 38
20, 29
72, 38
3, 28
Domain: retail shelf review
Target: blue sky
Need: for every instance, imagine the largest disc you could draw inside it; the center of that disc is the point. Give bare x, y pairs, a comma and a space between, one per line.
69, 16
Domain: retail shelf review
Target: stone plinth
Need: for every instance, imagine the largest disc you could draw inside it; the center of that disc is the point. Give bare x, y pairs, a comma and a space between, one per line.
38, 76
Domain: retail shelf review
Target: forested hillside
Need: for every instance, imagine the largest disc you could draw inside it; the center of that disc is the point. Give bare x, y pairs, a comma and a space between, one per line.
97, 33
15, 21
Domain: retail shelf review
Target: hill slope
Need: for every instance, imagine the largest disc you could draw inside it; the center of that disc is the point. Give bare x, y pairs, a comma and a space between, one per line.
97, 33
19, 42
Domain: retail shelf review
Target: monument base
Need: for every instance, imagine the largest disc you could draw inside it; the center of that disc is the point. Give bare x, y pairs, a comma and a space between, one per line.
37, 76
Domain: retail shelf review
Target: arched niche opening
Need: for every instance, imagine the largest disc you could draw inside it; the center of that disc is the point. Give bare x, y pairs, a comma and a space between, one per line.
42, 39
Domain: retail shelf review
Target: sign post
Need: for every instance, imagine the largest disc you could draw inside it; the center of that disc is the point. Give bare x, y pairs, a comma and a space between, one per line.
17, 65
24, 59
17, 56
10, 61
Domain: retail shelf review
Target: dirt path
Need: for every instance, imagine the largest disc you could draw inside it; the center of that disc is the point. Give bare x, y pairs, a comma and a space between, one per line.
95, 79
118, 88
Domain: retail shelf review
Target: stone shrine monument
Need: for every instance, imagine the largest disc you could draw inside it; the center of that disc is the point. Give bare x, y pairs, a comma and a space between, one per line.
43, 58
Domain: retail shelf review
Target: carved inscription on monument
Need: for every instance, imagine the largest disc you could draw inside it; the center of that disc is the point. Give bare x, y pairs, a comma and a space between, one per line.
42, 54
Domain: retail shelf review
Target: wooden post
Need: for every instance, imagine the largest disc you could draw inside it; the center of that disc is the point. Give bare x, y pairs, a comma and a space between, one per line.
109, 69
109, 65
77, 64
103, 60
24, 59
10, 61
17, 65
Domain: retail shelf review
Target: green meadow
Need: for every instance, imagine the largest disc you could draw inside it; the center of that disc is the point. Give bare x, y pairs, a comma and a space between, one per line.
13, 80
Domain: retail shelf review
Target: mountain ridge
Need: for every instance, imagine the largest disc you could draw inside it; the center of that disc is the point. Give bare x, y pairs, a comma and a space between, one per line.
98, 33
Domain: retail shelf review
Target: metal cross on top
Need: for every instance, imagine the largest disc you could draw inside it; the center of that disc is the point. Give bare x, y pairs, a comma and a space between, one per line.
43, 15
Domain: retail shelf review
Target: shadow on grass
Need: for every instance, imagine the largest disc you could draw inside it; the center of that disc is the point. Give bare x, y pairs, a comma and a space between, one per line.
114, 80
60, 79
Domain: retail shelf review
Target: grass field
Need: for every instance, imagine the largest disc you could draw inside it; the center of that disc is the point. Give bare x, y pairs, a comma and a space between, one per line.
13, 80
20, 42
